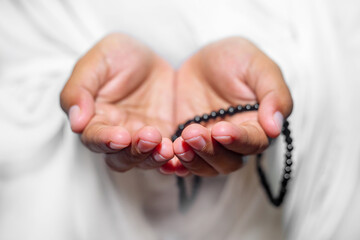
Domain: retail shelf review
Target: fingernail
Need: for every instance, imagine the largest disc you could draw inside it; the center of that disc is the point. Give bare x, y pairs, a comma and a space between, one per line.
116, 146
74, 114
197, 143
146, 146
187, 156
158, 157
223, 139
278, 120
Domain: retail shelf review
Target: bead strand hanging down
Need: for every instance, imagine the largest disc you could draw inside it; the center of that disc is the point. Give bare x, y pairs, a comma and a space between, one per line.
185, 201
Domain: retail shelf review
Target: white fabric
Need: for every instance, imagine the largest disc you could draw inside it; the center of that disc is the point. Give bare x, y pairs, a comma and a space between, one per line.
51, 187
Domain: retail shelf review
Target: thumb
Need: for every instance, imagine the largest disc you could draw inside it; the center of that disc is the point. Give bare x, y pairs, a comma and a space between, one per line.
274, 97
78, 94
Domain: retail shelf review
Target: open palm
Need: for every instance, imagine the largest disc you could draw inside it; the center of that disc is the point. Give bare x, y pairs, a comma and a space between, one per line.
125, 102
119, 98
226, 73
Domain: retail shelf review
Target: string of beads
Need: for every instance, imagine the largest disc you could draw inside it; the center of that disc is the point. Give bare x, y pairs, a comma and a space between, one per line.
185, 201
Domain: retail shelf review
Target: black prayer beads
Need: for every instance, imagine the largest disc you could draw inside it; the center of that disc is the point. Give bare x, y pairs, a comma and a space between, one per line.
213, 115
221, 113
277, 201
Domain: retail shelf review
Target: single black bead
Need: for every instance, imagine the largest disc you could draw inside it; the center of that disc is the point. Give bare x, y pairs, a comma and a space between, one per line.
289, 147
230, 111
178, 133
288, 162
288, 155
287, 176
239, 108
221, 112
287, 169
205, 117
285, 131
288, 140
248, 107
173, 137
213, 114
256, 106
181, 127
286, 123
197, 119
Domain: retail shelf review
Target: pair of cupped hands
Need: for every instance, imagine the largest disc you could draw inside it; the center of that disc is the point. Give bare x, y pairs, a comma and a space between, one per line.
125, 101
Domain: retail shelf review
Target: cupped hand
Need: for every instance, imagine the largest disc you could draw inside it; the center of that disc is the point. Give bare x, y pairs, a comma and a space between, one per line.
119, 98
227, 73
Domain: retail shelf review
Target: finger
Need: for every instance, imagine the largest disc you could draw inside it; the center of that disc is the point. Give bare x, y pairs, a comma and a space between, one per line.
99, 136
200, 140
77, 96
161, 154
266, 79
144, 141
104, 63
246, 138
170, 166
192, 162
175, 167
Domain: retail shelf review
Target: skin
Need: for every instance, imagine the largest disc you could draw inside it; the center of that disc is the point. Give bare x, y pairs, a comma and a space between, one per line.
227, 73
110, 101
125, 102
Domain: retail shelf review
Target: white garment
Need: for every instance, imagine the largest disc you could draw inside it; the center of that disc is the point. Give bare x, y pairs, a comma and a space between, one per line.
51, 187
